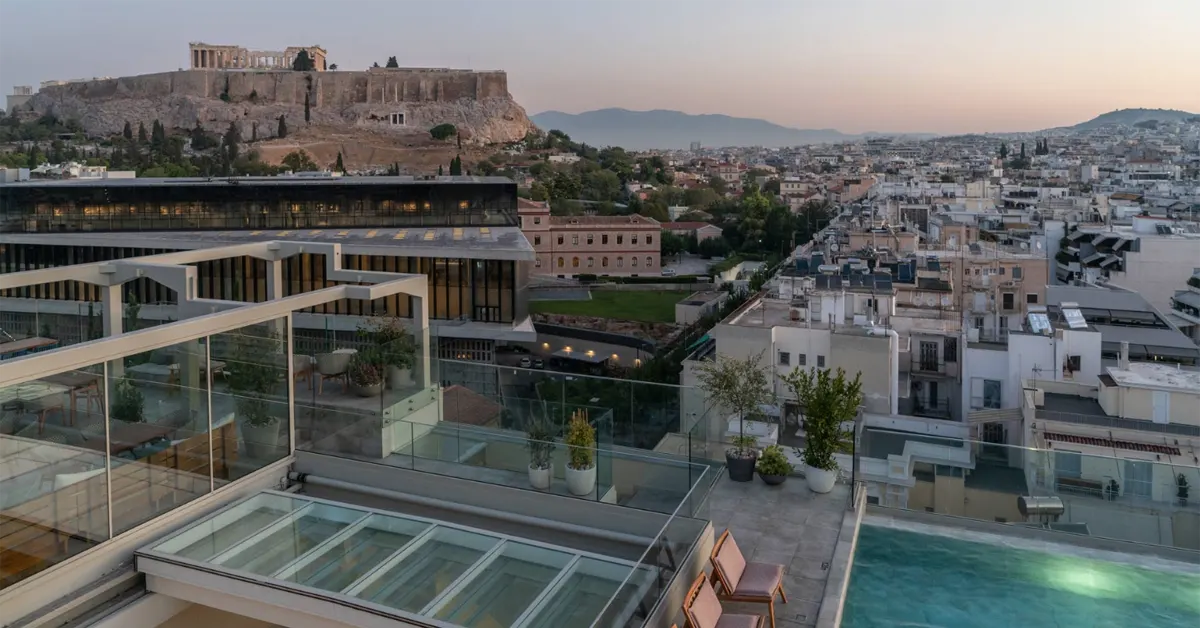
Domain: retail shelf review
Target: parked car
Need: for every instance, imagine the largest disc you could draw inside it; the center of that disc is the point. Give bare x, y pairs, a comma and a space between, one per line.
539, 364
668, 272
526, 362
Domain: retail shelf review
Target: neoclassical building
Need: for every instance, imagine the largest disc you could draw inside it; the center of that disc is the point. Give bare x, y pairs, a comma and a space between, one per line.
222, 57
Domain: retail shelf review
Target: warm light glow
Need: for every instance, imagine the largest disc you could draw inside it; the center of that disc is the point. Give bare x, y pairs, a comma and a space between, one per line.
545, 345
637, 362
567, 349
591, 353
615, 357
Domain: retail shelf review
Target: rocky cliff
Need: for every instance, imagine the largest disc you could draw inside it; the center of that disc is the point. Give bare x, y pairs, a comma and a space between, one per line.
399, 101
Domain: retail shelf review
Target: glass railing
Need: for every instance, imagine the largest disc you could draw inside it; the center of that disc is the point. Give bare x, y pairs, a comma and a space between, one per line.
1146, 497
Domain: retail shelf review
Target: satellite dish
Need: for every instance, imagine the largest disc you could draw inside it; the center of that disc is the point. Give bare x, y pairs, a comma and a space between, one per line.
833, 247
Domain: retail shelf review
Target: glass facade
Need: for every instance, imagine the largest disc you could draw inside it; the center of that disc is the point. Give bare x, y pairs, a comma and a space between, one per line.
253, 203
477, 290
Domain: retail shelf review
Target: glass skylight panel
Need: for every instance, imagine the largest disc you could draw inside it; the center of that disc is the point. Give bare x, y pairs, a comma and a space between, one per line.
284, 541
500, 592
580, 597
425, 570
354, 553
210, 537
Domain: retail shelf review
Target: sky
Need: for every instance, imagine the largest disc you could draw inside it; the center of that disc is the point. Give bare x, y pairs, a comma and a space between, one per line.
940, 66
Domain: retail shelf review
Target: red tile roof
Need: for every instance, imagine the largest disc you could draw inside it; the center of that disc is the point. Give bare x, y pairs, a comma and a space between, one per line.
608, 221
1112, 444
689, 225
524, 203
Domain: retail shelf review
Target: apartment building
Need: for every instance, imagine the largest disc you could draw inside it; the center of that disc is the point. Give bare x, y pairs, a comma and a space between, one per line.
567, 246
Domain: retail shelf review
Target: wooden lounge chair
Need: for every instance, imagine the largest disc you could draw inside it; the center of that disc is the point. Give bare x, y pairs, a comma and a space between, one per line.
702, 609
745, 582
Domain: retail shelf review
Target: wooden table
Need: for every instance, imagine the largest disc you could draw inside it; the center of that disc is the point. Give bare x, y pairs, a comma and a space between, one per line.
21, 347
39, 393
123, 437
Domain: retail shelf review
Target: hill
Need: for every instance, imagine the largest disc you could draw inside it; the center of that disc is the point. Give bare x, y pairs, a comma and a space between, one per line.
640, 130
1130, 117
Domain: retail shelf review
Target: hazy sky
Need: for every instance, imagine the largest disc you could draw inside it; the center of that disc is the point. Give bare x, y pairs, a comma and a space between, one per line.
945, 66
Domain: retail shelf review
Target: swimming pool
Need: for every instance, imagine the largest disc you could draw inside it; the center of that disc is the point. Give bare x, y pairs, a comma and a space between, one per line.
906, 578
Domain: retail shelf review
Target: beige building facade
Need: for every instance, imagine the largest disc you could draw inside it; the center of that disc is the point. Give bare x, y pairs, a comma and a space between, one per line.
591, 245
224, 57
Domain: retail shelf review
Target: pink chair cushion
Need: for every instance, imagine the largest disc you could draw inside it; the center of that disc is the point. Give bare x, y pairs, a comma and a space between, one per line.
759, 580
739, 621
706, 608
731, 562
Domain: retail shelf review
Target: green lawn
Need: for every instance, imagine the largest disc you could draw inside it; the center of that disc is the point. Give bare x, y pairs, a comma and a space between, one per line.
649, 306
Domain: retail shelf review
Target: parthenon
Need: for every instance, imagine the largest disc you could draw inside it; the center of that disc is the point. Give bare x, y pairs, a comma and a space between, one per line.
219, 57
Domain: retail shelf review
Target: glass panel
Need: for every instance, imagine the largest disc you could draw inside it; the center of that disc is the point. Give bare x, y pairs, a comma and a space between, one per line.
158, 431
584, 594
287, 541
348, 559
206, 539
501, 592
53, 485
426, 573
250, 399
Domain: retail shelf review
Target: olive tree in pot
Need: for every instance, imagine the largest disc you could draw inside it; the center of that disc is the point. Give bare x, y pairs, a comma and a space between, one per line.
540, 443
828, 400
773, 466
739, 386
254, 373
581, 455
397, 347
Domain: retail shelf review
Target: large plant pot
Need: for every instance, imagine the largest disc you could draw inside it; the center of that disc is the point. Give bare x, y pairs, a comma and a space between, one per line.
260, 441
581, 482
820, 480
772, 480
539, 478
398, 377
740, 469
374, 390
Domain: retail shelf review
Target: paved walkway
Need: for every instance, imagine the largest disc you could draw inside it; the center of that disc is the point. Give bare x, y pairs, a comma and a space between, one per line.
786, 524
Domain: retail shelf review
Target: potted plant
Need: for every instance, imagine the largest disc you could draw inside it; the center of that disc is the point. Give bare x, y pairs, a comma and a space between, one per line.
773, 466
1112, 491
366, 374
540, 443
128, 403
828, 400
581, 455
254, 373
1181, 489
739, 386
397, 349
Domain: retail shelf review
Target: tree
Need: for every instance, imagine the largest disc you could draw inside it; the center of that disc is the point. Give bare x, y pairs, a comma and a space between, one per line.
233, 136
443, 131
456, 166
282, 132
298, 161
307, 109
1022, 151
142, 136
375, 65
303, 63
333, 66
1003, 151
672, 244
718, 185
440, 170
738, 386
392, 63
201, 140
158, 137
128, 132
828, 399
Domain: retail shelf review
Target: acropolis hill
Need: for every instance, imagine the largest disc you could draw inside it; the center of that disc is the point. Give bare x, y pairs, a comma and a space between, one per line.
399, 102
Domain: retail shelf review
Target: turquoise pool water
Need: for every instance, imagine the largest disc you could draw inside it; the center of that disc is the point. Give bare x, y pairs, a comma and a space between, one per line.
907, 579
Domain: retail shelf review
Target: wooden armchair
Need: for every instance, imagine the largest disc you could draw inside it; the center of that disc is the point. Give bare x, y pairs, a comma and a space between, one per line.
702, 609
745, 582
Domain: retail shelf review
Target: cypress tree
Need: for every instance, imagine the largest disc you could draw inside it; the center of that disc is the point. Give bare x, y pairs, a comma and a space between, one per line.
128, 132
439, 170
142, 137
307, 110
282, 132
339, 166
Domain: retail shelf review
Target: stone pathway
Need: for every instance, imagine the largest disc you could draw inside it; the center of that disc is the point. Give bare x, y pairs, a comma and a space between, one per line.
786, 524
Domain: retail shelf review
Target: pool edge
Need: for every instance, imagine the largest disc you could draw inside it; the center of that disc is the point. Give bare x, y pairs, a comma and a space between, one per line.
837, 583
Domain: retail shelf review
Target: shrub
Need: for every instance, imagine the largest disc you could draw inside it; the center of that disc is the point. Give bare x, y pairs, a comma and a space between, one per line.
581, 439
540, 444
443, 131
773, 462
364, 371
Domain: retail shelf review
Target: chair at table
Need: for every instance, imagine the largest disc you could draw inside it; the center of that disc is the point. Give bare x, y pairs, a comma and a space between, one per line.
745, 582
702, 609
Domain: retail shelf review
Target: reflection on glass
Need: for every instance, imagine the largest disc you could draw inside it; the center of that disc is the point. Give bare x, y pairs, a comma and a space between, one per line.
206, 539
342, 563
429, 570
53, 485
158, 431
269, 552
250, 398
583, 595
501, 592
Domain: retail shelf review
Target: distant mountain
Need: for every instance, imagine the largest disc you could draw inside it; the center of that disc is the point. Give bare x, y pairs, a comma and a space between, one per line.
1130, 117
641, 130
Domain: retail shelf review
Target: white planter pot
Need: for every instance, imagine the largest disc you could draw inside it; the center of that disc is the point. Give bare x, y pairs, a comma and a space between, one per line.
581, 482
399, 378
539, 478
820, 480
260, 441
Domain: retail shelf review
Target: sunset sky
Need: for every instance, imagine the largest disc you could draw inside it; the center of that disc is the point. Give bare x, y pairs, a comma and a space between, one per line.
943, 66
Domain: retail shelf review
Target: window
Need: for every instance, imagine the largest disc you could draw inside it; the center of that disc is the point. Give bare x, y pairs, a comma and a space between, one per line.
574, 239
604, 261
801, 359
985, 393
1008, 300
633, 261
537, 263
1001, 270
537, 220
649, 261
604, 239
649, 239
1031, 299
1074, 363
1016, 272
591, 262
785, 358
633, 239
537, 240
950, 350
620, 238
978, 322
620, 261
820, 361
561, 262
1139, 478
574, 262
560, 239
589, 238
1067, 464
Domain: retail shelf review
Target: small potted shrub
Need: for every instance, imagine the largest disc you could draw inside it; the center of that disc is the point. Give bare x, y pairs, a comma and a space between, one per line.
773, 466
581, 455
1181, 489
128, 404
540, 443
366, 376
397, 349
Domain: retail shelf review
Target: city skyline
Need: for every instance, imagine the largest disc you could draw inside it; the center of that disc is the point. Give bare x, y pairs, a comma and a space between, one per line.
922, 66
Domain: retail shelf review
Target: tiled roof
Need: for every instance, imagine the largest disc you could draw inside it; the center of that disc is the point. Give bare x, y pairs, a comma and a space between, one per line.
524, 203
1112, 444
603, 221
463, 405
685, 225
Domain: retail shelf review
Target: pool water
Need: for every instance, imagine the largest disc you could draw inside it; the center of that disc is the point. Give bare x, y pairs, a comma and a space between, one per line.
904, 578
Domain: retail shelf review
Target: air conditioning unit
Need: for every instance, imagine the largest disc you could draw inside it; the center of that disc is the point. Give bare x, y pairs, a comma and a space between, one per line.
1039, 397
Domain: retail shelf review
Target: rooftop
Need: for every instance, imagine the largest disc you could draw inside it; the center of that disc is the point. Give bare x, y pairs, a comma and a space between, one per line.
1157, 375
305, 180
